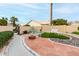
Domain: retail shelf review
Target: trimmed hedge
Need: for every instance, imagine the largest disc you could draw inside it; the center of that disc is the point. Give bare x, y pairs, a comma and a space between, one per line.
75, 33
54, 35
3, 22
5, 36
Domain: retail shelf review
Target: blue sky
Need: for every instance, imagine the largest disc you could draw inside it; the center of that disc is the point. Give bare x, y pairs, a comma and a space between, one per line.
40, 11
26, 12
69, 11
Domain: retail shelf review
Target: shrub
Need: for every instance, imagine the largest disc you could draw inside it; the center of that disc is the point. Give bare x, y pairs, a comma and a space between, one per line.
59, 22
54, 35
3, 22
15, 30
75, 33
78, 28
5, 37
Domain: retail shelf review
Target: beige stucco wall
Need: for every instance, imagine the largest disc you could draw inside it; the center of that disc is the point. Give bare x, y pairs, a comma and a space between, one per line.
6, 28
62, 28
47, 28
65, 28
24, 28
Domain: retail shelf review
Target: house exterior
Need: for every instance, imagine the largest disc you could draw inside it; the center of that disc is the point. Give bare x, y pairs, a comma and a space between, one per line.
46, 27
44, 22
34, 23
37, 23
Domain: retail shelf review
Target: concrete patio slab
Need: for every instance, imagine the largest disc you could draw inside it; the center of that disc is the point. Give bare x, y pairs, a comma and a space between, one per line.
16, 48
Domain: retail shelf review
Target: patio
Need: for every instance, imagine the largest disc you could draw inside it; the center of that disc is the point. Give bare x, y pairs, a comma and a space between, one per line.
45, 47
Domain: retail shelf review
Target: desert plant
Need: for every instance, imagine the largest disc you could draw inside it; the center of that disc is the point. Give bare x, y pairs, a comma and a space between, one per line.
78, 28
75, 33
3, 21
15, 30
14, 19
5, 37
54, 35
59, 22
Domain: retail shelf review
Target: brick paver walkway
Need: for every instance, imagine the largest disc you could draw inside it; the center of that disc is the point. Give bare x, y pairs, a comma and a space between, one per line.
47, 48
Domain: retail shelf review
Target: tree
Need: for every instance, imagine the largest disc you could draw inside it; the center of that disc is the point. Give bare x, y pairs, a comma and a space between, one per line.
14, 19
59, 22
4, 18
3, 21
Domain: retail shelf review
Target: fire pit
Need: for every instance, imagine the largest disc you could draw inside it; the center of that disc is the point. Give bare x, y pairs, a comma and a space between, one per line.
32, 37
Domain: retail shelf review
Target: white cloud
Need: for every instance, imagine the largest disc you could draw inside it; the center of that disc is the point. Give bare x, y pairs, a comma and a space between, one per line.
2, 4
24, 1
31, 5
67, 10
36, 6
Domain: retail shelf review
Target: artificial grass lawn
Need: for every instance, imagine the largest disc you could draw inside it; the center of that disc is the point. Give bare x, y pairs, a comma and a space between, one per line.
54, 35
5, 36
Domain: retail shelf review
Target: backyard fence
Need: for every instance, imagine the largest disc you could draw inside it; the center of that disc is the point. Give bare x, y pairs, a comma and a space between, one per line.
45, 28
6, 28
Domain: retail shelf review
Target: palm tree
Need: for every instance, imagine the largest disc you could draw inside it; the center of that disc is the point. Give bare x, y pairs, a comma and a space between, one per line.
51, 13
4, 18
14, 19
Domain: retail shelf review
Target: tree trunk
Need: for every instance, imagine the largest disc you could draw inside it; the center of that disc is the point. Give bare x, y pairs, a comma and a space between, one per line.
51, 13
14, 23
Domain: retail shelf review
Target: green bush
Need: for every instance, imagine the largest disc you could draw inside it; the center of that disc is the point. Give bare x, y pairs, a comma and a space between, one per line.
78, 28
5, 37
54, 35
3, 22
75, 33
59, 22
15, 29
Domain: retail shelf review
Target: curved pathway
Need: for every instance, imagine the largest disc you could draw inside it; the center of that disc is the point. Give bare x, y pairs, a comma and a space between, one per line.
45, 47
16, 48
